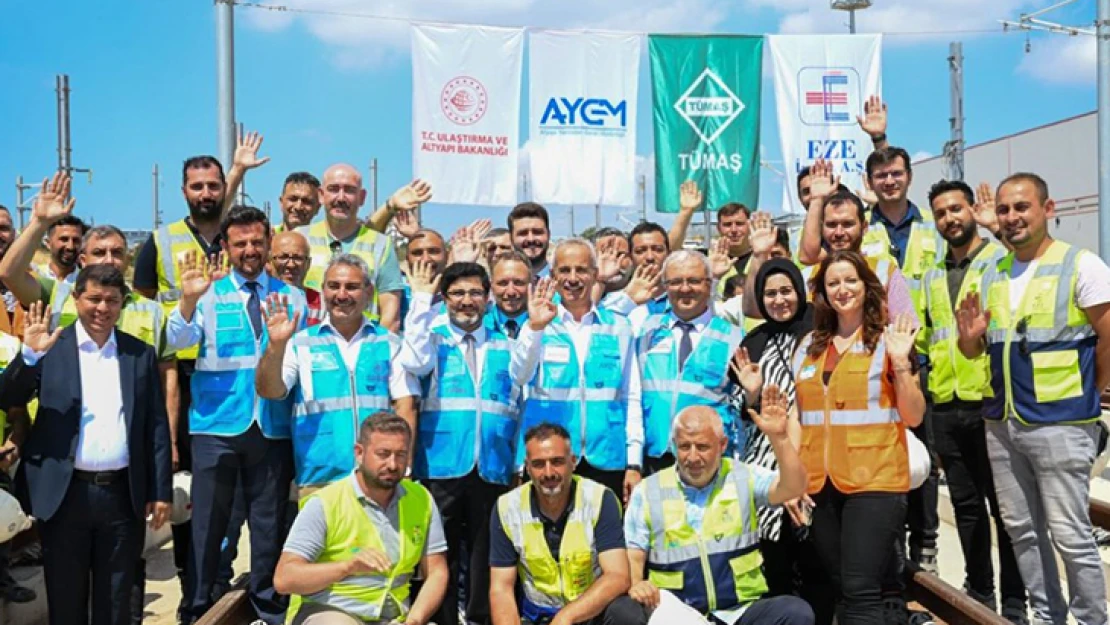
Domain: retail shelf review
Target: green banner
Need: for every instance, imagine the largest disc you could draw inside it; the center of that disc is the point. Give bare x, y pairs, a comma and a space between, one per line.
705, 104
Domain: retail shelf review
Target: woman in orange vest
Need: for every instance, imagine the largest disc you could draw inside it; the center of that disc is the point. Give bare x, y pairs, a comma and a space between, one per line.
857, 391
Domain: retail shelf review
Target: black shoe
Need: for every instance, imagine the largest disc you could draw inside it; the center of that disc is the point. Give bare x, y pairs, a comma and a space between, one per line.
17, 594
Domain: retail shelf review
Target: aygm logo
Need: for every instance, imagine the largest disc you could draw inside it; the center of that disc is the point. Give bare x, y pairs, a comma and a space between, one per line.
593, 114
828, 96
708, 97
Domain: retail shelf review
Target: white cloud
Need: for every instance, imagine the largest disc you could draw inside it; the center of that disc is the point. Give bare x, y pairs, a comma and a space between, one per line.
1062, 61
358, 42
920, 155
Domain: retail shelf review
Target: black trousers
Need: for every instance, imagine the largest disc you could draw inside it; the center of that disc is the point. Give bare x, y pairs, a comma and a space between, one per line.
621, 611
90, 547
465, 505
854, 536
962, 446
791, 566
922, 517
613, 480
266, 469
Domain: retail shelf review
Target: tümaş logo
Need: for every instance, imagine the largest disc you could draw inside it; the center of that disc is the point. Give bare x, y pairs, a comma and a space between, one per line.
585, 112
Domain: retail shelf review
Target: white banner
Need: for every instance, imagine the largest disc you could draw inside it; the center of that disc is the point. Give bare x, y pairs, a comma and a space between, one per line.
821, 83
466, 111
582, 117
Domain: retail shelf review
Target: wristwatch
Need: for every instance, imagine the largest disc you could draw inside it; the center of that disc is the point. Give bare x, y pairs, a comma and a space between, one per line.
878, 138
634, 467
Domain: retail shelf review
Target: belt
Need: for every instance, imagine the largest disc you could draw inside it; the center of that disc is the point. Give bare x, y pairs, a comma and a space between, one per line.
100, 478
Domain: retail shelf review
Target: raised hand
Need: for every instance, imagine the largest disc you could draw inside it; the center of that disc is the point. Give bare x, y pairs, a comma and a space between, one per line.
873, 121
608, 261
36, 330
541, 307
719, 260
246, 152
53, 201
279, 327
423, 277
464, 245
645, 284
218, 264
774, 411
410, 196
406, 224
972, 320
763, 234
899, 337
480, 228
983, 209
196, 275
689, 197
867, 195
748, 372
822, 182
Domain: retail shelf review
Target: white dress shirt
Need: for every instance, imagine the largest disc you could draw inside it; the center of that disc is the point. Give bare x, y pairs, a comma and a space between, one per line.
401, 384
102, 434
700, 322
529, 350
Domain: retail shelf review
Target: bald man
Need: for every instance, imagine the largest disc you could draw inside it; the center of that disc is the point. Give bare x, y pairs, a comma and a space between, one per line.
289, 262
697, 519
341, 231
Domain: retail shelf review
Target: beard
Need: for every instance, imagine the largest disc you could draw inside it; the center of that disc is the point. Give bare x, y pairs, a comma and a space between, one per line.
205, 210
961, 238
377, 481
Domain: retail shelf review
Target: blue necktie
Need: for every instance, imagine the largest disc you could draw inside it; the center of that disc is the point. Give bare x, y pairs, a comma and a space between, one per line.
511, 328
254, 308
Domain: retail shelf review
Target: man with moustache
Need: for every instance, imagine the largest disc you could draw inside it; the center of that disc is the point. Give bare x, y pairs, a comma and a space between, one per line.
317, 369
341, 231
583, 375
496, 244
1042, 314
300, 201
958, 385
530, 231
238, 437
511, 279
561, 535
614, 264
356, 544
425, 246
470, 381
289, 262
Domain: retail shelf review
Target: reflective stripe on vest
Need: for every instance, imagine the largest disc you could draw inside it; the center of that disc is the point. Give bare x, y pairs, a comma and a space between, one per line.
924, 251
350, 530
717, 567
460, 428
171, 243
9, 349
951, 375
140, 317
223, 390
851, 430
702, 382
550, 585
330, 401
1042, 358
589, 401
371, 246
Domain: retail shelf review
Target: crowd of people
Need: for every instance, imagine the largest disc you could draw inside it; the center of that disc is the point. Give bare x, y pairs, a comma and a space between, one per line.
491, 428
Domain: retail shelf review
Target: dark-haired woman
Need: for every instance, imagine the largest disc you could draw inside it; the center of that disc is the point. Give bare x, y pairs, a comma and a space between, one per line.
857, 391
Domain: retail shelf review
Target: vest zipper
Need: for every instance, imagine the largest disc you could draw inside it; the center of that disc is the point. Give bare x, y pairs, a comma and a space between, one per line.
477, 380
707, 573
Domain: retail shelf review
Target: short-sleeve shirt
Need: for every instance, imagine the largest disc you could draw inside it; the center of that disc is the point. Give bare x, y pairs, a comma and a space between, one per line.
608, 533
387, 274
635, 520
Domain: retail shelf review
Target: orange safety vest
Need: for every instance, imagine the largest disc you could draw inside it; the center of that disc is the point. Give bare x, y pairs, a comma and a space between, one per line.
851, 431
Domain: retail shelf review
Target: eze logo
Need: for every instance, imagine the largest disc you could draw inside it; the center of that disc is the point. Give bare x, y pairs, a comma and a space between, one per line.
829, 96
585, 111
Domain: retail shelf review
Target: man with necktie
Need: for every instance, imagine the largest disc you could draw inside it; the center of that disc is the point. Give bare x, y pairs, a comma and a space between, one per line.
511, 275
236, 434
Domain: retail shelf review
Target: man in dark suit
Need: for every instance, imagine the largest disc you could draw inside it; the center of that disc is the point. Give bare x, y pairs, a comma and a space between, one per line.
97, 461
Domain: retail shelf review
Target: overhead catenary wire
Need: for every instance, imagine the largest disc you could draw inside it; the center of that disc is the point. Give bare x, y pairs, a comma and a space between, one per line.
279, 8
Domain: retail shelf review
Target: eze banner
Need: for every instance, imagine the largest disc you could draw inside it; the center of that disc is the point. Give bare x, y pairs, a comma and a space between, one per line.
821, 84
466, 111
705, 106
582, 117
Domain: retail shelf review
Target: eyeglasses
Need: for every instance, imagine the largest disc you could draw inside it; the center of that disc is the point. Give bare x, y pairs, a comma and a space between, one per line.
676, 283
461, 295
1022, 328
285, 259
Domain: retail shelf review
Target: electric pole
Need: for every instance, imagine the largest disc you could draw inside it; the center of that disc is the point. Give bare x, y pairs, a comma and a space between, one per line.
572, 233
1103, 30
643, 198
154, 198
243, 182
954, 149
851, 6
225, 80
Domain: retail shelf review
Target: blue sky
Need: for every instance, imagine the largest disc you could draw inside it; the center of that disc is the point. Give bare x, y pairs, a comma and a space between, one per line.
329, 88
